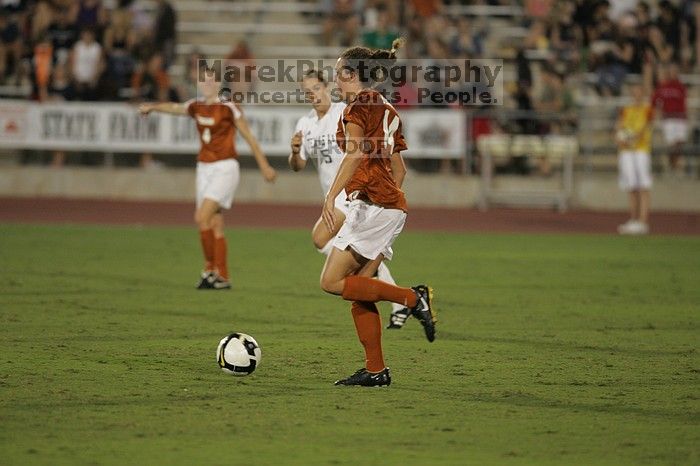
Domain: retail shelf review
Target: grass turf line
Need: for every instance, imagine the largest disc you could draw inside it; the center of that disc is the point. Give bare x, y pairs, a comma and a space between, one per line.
550, 350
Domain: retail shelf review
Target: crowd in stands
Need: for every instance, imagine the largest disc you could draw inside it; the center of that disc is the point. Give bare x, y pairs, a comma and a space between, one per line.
87, 49
95, 49
121, 50
607, 41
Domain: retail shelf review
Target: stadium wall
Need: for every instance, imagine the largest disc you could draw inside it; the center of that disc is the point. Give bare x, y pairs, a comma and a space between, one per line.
594, 192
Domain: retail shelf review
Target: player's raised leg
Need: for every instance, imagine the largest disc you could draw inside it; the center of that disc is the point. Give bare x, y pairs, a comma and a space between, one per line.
337, 278
322, 236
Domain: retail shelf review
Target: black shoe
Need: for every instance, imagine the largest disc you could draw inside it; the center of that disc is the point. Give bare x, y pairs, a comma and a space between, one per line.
204, 282
367, 379
219, 283
398, 317
423, 310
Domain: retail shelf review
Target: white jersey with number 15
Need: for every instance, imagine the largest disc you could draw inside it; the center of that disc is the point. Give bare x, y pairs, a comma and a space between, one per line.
318, 142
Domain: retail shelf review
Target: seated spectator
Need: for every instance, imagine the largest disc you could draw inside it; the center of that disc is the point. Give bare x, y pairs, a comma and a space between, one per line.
613, 67
119, 41
536, 38
383, 34
662, 50
165, 33
538, 10
643, 13
86, 65
669, 23
427, 8
341, 16
465, 42
10, 47
554, 97
63, 35
151, 84
621, 8
142, 26
89, 14
566, 37
670, 97
41, 18
598, 25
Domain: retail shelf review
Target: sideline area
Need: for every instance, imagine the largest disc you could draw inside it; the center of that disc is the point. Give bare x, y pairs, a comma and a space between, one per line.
53, 210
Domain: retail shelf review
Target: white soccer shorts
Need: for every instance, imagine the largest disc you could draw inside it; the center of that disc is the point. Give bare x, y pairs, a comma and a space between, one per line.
635, 170
370, 230
218, 181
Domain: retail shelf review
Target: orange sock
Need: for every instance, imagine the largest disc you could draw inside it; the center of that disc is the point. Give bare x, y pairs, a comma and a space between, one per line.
207, 239
373, 290
220, 259
369, 330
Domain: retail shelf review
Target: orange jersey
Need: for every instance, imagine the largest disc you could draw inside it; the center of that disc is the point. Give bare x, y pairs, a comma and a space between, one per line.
216, 124
381, 125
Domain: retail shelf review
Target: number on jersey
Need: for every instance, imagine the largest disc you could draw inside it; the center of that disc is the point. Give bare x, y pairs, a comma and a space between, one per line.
389, 130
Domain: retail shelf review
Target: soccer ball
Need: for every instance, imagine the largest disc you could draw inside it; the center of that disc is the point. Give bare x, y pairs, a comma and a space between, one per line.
238, 354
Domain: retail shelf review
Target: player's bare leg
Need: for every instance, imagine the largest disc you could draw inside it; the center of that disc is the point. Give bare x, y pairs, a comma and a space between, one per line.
211, 226
322, 236
347, 274
634, 205
639, 214
339, 265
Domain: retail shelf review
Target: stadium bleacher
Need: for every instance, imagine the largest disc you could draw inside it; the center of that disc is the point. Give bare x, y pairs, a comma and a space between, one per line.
294, 29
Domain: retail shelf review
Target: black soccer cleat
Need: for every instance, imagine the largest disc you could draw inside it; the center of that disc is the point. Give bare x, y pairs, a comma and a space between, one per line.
204, 282
423, 310
363, 378
398, 317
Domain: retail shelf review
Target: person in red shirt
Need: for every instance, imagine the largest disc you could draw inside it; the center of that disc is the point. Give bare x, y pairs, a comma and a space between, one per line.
670, 97
369, 133
218, 171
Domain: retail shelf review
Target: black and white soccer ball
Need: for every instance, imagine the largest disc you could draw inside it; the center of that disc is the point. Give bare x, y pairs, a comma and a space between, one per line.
238, 354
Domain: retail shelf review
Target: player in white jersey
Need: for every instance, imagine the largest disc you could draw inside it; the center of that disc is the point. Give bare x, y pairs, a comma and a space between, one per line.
314, 139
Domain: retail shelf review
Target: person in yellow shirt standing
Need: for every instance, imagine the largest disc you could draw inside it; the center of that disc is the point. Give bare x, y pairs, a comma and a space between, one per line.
633, 137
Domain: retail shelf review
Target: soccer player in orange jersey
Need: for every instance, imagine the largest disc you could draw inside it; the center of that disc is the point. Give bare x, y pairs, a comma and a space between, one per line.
218, 171
369, 132
314, 139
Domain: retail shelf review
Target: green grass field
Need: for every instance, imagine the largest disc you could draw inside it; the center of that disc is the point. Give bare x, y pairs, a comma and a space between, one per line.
550, 350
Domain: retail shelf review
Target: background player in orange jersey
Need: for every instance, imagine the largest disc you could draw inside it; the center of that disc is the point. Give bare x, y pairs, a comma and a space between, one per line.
218, 171
369, 132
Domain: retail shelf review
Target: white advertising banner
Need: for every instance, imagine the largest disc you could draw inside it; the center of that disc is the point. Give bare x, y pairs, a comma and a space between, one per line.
112, 127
